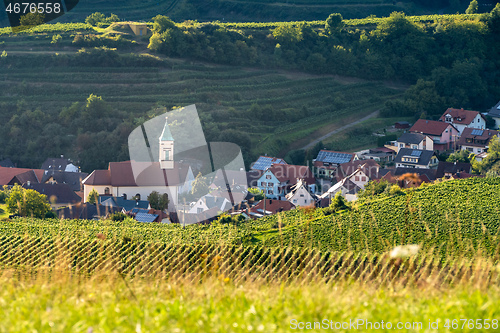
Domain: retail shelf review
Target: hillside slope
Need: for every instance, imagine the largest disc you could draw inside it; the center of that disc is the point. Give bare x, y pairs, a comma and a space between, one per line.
459, 217
243, 10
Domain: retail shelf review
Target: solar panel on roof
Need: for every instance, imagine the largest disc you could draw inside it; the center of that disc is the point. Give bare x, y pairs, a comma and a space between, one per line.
477, 132
416, 153
145, 217
332, 157
265, 162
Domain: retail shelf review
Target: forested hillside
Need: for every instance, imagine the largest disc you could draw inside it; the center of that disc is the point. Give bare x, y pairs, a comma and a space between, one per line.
263, 86
454, 58
262, 10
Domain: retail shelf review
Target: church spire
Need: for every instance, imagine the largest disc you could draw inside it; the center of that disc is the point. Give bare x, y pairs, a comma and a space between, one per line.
166, 148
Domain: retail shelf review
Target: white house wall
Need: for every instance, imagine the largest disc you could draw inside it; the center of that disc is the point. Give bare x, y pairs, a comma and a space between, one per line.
131, 191
305, 200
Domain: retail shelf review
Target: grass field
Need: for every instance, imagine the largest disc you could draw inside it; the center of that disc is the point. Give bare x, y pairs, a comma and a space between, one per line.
267, 275
109, 304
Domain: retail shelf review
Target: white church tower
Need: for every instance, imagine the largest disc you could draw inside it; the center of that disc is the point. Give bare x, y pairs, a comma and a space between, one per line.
166, 148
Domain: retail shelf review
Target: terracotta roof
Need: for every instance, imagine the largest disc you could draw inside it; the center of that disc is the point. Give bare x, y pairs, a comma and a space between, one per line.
460, 116
9, 176
430, 127
273, 206
98, 177
287, 173
480, 138
121, 174
369, 167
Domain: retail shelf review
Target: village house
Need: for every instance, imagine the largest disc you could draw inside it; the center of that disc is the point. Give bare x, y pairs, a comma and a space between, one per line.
416, 158
443, 135
476, 140
461, 119
300, 195
350, 185
210, 201
495, 114
20, 176
380, 154
58, 195
265, 162
326, 163
277, 180
59, 164
414, 141
453, 170
265, 207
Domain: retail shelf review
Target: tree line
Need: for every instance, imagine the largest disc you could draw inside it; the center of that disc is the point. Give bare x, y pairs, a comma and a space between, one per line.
450, 62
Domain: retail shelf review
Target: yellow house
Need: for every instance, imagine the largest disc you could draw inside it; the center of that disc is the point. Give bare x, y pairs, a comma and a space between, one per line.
139, 29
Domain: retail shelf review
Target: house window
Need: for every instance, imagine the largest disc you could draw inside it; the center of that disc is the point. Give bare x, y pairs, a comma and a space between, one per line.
262, 184
401, 145
270, 184
268, 176
166, 154
356, 178
137, 196
414, 146
270, 191
199, 210
106, 191
363, 179
301, 195
294, 201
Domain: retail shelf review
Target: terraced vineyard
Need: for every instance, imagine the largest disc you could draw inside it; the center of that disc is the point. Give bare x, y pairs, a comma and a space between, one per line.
453, 218
224, 94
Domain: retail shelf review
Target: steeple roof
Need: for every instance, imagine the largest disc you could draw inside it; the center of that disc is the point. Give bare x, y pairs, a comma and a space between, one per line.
166, 135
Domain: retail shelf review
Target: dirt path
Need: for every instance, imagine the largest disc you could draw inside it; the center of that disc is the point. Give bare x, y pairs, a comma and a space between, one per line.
340, 129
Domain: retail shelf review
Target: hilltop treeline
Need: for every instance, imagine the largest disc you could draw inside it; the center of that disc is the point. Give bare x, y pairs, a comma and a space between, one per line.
451, 60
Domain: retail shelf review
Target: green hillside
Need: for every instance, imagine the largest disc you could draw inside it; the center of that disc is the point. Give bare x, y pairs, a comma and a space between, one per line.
259, 10
454, 218
249, 10
457, 217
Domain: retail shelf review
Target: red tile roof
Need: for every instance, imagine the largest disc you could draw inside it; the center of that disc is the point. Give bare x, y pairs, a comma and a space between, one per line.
287, 173
460, 116
23, 175
430, 127
273, 206
369, 167
148, 174
477, 140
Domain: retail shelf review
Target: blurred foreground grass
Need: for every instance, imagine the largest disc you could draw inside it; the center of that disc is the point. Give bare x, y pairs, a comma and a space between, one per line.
63, 303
